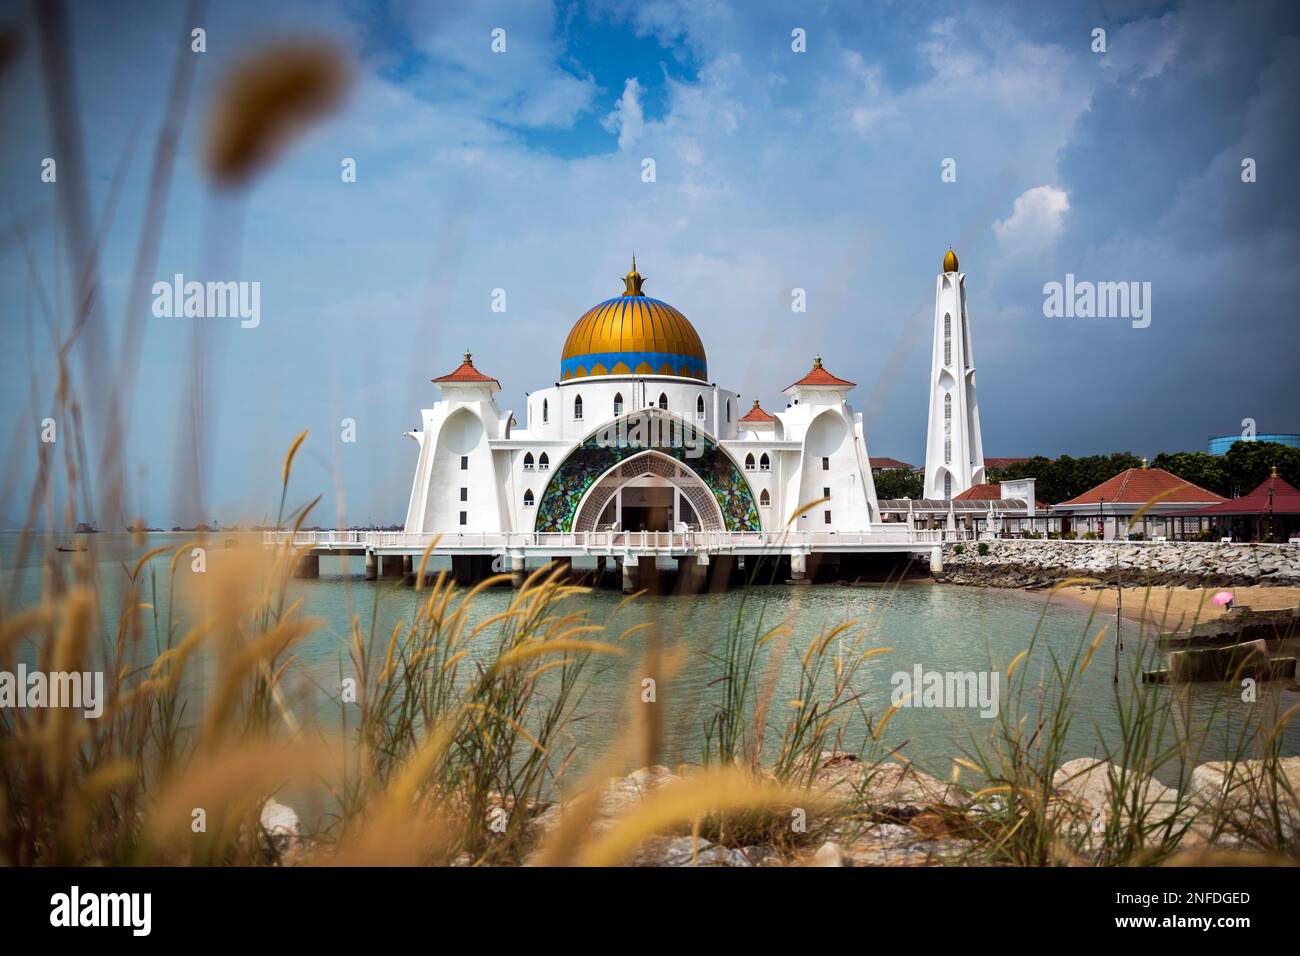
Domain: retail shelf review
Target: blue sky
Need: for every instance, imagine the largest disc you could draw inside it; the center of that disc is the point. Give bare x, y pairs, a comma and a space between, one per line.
775, 170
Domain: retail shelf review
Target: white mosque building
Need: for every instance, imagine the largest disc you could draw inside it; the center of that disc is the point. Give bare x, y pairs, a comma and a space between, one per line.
634, 437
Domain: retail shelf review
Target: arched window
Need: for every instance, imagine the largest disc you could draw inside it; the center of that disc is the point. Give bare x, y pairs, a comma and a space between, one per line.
618, 404
947, 484
544, 462
947, 429
947, 339
728, 411
764, 463
764, 499
546, 411
699, 407
663, 401
528, 461
577, 408
528, 498
749, 462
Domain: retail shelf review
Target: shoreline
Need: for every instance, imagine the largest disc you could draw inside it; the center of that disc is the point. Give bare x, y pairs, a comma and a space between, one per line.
1176, 607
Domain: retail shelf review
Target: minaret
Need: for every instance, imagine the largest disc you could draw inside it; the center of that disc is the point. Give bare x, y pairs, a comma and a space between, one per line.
954, 452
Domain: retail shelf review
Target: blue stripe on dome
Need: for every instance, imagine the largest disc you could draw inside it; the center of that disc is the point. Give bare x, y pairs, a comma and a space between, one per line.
697, 367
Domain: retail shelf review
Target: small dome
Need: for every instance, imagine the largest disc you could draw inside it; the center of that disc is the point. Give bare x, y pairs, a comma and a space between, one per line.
633, 334
950, 261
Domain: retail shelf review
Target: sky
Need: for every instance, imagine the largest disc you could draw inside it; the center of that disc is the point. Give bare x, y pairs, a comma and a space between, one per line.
775, 170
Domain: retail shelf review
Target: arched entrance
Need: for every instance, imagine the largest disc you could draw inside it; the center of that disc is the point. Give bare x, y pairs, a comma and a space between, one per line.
629, 437
649, 492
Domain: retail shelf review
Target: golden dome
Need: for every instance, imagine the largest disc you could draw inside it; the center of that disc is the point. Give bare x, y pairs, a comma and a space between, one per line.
950, 261
633, 334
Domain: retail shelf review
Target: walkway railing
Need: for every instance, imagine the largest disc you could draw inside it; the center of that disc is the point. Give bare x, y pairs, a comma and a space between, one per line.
712, 541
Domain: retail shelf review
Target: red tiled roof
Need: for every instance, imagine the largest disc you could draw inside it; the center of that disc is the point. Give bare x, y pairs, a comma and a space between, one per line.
888, 463
986, 492
1002, 462
819, 376
467, 374
1285, 501
1137, 486
756, 414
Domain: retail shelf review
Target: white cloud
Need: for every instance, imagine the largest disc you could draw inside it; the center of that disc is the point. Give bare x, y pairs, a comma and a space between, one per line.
1037, 220
627, 117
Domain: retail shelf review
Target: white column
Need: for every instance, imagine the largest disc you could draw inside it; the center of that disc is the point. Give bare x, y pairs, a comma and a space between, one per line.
953, 442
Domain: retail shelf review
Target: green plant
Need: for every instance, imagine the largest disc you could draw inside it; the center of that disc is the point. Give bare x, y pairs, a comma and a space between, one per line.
982, 548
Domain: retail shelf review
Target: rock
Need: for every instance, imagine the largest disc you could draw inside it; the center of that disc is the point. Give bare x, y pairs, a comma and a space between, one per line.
828, 854
281, 825
891, 844
1232, 799
1084, 806
903, 790
891, 788
620, 795
1087, 784
1029, 562
683, 851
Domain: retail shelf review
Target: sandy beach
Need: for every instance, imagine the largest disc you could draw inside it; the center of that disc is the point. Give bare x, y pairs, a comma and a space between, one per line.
1164, 607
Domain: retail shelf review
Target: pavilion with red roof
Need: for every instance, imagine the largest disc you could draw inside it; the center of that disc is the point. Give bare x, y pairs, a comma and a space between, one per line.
1109, 510
1269, 513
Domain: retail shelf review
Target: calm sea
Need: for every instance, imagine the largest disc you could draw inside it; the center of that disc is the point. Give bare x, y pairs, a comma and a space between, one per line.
943, 628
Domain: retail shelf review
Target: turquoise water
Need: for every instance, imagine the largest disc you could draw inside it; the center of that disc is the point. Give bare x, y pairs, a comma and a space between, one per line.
943, 628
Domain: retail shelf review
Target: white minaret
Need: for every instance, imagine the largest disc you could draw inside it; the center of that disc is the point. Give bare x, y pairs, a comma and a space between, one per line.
954, 453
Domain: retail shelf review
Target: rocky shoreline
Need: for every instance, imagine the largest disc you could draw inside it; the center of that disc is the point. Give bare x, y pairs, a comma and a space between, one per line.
893, 814
1043, 563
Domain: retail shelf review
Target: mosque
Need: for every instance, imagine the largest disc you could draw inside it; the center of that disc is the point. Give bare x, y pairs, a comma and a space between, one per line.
635, 438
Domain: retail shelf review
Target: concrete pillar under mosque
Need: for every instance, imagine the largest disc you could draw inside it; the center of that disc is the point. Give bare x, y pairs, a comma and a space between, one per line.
692, 575
308, 566
372, 565
518, 571
648, 573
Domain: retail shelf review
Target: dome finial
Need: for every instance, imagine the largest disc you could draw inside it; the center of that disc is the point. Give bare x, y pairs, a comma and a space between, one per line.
950, 261
469, 359
817, 361
633, 280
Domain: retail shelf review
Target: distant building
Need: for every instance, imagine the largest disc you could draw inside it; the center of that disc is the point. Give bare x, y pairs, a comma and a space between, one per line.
1220, 446
989, 491
888, 464
1269, 513
1002, 462
1108, 509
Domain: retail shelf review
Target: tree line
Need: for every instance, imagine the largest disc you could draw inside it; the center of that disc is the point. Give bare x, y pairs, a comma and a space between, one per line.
1238, 472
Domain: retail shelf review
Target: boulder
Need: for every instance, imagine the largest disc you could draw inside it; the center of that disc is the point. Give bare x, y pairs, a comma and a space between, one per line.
1087, 784
280, 823
828, 854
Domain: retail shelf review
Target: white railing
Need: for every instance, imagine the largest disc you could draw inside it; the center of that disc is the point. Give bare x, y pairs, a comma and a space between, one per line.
597, 541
